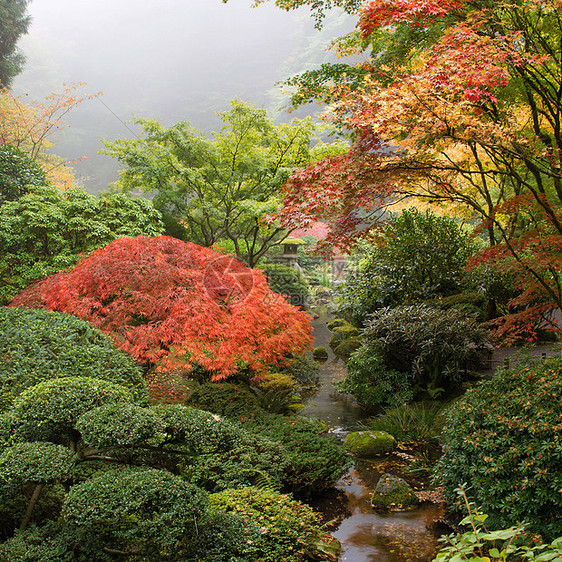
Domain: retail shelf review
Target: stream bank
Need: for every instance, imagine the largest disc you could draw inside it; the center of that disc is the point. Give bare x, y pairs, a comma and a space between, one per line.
367, 535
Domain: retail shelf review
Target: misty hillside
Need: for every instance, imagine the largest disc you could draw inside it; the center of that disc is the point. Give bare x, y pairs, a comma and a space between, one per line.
170, 60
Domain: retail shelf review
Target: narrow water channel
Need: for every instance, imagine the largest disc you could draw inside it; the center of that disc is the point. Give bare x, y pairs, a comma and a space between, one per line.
365, 535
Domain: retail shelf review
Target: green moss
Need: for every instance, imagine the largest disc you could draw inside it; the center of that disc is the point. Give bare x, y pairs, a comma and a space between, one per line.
348, 346
393, 492
320, 353
336, 323
369, 443
341, 333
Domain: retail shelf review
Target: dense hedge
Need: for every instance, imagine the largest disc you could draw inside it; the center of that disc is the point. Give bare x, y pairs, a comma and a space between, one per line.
504, 440
310, 462
39, 345
290, 531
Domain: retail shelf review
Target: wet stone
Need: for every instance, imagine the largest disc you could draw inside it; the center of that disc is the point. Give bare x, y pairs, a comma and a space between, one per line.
393, 492
368, 444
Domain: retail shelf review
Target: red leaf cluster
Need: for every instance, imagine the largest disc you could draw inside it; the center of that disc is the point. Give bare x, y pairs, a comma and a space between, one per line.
175, 305
418, 13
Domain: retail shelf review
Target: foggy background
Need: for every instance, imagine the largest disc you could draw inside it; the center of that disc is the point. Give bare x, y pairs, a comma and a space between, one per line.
168, 60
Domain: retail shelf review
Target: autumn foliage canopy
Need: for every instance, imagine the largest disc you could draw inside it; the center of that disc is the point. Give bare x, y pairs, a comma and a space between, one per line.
177, 305
456, 103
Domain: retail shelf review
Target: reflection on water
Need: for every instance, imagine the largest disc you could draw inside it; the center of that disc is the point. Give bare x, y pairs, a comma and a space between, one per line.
366, 535
339, 411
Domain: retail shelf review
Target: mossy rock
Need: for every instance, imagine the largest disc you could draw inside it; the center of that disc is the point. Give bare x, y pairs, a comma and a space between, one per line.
368, 444
393, 492
336, 323
320, 353
348, 346
342, 333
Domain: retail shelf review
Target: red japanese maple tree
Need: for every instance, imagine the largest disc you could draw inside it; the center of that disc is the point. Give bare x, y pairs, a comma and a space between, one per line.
176, 305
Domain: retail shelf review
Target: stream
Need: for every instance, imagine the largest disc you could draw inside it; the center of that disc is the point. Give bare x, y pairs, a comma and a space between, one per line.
365, 535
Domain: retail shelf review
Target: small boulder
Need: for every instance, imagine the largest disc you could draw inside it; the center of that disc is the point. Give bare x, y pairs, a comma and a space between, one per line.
341, 333
347, 347
393, 492
320, 354
368, 444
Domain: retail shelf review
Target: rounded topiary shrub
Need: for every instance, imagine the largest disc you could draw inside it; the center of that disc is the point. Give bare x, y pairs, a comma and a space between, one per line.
320, 353
503, 440
40, 345
149, 510
50, 410
290, 531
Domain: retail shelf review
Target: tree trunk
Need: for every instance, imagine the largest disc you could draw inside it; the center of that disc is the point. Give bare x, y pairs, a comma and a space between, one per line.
34, 497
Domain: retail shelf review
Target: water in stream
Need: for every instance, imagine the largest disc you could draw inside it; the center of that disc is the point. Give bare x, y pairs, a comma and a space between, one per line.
365, 535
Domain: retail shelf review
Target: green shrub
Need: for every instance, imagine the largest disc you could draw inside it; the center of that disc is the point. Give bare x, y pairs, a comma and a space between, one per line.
410, 422
504, 440
276, 381
226, 537
312, 462
202, 432
304, 370
278, 393
148, 510
253, 460
417, 256
372, 383
290, 531
39, 345
118, 424
50, 410
53, 543
432, 345
46, 230
480, 543
37, 463
18, 173
225, 399
287, 281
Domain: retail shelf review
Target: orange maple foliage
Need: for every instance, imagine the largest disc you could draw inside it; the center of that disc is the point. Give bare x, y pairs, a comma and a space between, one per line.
175, 305
30, 127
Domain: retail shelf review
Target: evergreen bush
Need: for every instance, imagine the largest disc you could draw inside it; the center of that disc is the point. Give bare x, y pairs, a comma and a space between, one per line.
290, 531
503, 439
40, 345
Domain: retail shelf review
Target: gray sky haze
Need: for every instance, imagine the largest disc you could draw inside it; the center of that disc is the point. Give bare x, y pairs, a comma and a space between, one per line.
170, 60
